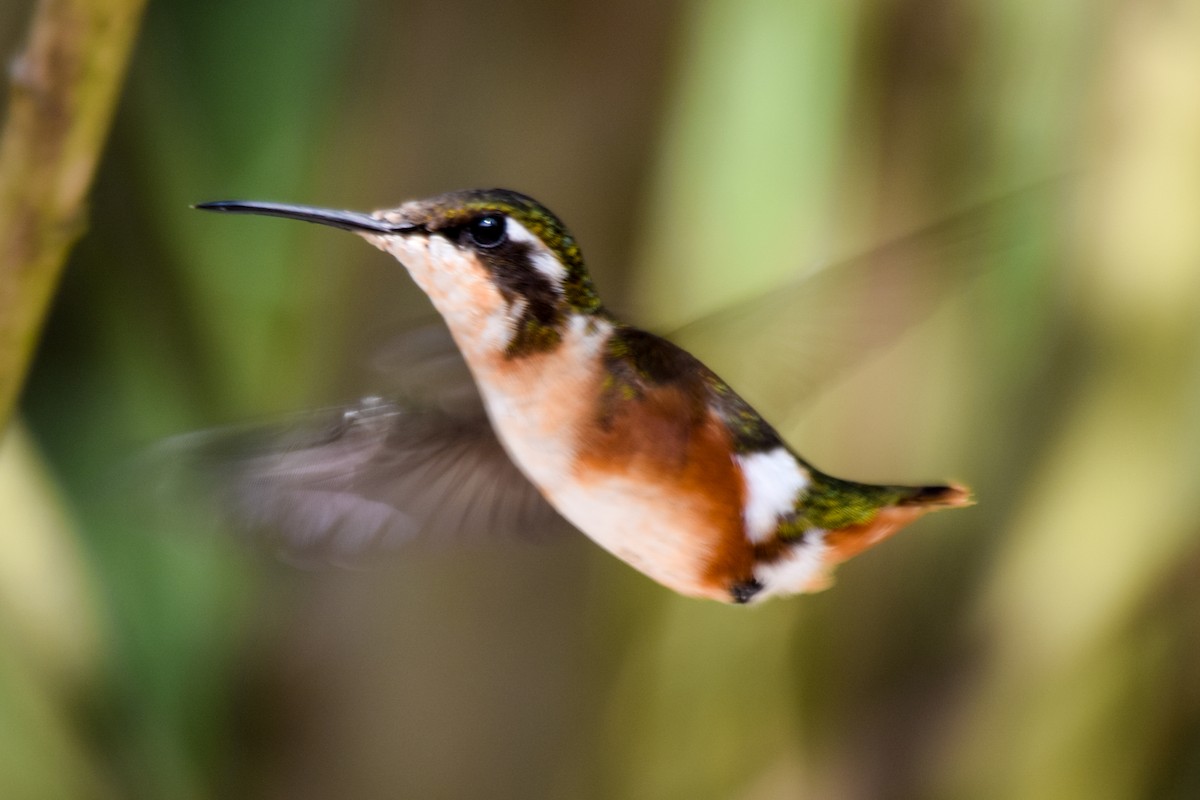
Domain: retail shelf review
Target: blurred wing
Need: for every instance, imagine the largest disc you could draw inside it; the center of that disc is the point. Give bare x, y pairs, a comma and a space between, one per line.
424, 367
784, 346
371, 477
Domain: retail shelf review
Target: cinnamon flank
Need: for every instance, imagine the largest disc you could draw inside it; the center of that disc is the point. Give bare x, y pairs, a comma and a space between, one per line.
666, 438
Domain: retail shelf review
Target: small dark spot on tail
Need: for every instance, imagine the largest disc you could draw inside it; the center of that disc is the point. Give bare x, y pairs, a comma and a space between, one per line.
951, 495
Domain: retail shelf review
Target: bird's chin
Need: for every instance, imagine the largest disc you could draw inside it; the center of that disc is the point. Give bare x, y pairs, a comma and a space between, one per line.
376, 240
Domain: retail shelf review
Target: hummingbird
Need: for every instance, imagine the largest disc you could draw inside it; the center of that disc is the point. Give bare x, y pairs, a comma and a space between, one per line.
630, 438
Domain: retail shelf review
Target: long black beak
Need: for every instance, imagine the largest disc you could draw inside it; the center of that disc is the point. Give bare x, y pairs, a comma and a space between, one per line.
346, 220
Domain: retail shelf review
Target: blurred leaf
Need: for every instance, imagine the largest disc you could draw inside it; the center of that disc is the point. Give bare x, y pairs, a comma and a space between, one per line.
51, 635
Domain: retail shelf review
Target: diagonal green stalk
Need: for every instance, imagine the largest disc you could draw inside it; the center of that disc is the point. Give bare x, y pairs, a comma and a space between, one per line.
62, 91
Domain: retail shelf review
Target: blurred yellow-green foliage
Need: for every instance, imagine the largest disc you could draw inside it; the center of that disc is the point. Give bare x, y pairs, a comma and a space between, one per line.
1045, 644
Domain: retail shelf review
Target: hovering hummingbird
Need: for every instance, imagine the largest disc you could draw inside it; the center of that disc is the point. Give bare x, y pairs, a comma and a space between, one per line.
630, 438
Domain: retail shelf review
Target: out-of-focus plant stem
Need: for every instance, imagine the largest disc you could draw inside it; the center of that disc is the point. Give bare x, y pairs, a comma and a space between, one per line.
62, 91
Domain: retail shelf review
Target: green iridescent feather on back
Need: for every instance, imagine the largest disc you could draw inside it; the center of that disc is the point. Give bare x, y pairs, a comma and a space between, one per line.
636, 360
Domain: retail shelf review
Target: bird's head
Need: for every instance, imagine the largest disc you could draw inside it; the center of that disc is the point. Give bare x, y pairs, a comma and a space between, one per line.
501, 268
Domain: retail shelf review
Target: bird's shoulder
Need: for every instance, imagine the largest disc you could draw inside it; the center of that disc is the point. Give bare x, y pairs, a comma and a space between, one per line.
641, 369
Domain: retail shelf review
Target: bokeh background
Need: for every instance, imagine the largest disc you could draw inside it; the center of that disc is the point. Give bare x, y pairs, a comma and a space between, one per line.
1044, 644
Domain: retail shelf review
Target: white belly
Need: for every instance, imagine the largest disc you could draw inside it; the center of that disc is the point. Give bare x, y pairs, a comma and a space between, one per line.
640, 525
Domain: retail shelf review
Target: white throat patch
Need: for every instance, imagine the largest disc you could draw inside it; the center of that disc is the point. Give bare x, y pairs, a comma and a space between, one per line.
460, 287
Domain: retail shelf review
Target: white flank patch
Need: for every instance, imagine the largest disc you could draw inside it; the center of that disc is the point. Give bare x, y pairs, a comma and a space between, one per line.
542, 259
792, 573
773, 480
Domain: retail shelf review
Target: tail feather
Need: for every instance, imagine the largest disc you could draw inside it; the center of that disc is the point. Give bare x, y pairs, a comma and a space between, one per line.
842, 544
933, 497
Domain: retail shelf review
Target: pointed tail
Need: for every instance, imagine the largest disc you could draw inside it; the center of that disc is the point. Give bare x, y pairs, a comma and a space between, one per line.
843, 544
932, 498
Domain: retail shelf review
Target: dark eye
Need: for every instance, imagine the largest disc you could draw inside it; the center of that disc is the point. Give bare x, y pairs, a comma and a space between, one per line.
487, 231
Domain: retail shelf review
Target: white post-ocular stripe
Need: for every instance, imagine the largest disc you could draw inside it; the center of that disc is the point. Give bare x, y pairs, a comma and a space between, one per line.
773, 481
518, 232
542, 259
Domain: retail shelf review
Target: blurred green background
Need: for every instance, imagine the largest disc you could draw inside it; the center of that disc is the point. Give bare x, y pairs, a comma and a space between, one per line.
1045, 644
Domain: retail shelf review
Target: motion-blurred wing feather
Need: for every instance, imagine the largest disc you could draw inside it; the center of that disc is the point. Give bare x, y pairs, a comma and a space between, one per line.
779, 349
375, 476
